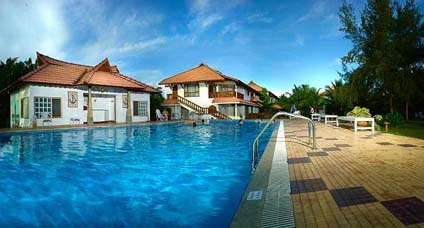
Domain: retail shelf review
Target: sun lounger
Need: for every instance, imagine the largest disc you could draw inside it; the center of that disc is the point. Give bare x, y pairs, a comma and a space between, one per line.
350, 120
315, 116
329, 118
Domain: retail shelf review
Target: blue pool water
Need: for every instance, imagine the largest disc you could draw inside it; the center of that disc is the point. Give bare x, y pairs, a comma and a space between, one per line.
170, 175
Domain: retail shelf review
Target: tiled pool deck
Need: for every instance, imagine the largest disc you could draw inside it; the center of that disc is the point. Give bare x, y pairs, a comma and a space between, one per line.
353, 179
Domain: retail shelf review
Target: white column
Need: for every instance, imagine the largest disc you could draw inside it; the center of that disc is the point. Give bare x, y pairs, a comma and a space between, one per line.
235, 110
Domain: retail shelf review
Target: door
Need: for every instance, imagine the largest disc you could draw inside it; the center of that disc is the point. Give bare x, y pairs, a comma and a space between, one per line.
174, 92
212, 90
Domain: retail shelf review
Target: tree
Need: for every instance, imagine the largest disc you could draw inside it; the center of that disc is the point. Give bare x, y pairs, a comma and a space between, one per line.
155, 103
12, 69
303, 97
266, 99
408, 34
386, 52
339, 98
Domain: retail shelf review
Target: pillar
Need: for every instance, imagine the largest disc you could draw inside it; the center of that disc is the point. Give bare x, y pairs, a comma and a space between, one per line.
235, 110
129, 111
89, 108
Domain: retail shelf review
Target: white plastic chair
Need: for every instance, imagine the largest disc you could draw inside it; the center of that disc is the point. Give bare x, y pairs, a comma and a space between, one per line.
160, 116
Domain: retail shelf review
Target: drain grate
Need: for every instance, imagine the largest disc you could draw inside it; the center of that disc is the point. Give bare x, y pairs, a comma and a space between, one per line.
278, 210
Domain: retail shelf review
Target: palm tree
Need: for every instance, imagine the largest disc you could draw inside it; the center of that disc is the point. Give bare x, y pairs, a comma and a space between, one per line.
338, 97
304, 97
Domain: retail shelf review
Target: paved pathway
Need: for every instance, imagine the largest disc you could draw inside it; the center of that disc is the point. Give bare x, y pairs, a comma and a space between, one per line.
355, 179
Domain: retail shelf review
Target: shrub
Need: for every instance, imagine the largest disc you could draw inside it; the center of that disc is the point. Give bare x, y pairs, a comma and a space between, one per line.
260, 115
359, 112
378, 119
394, 119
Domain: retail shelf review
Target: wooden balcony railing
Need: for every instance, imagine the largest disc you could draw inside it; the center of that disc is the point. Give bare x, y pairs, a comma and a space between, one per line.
226, 94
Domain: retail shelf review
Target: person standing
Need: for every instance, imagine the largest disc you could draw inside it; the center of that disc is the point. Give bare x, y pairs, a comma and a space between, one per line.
293, 108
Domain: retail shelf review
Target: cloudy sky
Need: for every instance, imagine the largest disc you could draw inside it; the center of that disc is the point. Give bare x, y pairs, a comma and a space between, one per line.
275, 43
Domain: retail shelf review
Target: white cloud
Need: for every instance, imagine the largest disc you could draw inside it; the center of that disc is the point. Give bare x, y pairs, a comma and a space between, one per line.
317, 10
200, 23
115, 35
230, 28
149, 76
299, 40
260, 17
32, 26
135, 47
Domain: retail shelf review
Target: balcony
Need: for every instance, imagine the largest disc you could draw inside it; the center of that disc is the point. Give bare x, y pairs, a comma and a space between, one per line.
226, 94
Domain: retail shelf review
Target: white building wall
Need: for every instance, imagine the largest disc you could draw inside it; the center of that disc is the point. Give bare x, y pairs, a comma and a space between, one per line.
15, 107
108, 107
203, 98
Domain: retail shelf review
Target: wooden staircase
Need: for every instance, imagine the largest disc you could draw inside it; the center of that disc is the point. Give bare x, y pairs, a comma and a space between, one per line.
201, 110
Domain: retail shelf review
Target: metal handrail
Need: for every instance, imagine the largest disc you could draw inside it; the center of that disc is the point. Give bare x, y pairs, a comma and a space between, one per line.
311, 134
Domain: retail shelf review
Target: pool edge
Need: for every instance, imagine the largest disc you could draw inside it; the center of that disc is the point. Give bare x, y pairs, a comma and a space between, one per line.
250, 213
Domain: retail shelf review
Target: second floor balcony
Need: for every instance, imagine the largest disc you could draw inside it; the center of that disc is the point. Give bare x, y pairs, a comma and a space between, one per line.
226, 94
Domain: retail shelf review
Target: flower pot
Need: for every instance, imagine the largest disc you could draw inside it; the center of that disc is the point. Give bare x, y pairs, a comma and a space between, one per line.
363, 123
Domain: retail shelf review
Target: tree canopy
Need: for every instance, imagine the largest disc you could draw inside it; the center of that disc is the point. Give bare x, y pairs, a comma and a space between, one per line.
385, 65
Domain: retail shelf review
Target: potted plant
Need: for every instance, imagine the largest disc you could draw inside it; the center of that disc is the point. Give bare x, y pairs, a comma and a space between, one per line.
360, 112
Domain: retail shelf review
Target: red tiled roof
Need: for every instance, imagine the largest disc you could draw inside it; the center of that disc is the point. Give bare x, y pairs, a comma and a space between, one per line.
258, 89
201, 73
232, 100
53, 71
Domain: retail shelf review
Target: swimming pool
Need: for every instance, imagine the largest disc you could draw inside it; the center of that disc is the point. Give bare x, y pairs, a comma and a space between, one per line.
169, 175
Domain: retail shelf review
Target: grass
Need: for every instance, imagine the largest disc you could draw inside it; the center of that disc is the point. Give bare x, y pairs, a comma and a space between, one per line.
413, 129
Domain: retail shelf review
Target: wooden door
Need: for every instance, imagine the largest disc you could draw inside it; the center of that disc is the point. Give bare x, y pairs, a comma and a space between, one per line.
175, 92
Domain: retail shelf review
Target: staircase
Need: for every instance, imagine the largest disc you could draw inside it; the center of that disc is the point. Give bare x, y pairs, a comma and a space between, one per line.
197, 108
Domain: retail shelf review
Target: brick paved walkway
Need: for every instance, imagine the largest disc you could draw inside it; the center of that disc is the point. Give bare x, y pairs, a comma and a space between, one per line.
355, 179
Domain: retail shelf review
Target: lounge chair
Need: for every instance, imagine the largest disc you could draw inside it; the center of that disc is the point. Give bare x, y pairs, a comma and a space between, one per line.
315, 116
351, 120
160, 116
329, 118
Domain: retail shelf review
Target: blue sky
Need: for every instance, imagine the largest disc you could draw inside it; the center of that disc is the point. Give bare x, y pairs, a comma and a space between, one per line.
275, 43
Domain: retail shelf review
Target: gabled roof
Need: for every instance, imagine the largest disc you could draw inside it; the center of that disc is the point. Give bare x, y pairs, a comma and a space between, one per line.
258, 89
58, 72
202, 73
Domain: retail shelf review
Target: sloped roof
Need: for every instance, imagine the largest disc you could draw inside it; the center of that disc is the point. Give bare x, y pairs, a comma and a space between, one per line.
202, 73
258, 89
58, 72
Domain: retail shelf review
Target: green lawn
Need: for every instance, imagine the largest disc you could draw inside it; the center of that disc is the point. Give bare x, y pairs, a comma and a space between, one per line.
408, 128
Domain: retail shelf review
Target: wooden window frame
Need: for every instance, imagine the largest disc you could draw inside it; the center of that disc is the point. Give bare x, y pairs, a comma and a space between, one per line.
23, 116
196, 92
51, 106
139, 113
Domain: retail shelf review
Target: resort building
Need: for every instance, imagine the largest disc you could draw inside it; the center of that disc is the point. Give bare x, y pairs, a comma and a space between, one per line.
204, 90
272, 97
63, 93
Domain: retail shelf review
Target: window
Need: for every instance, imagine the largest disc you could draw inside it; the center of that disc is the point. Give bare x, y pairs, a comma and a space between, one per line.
24, 108
228, 88
140, 108
191, 90
51, 106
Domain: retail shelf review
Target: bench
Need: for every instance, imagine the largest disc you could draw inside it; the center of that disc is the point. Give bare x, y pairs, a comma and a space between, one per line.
329, 118
354, 121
